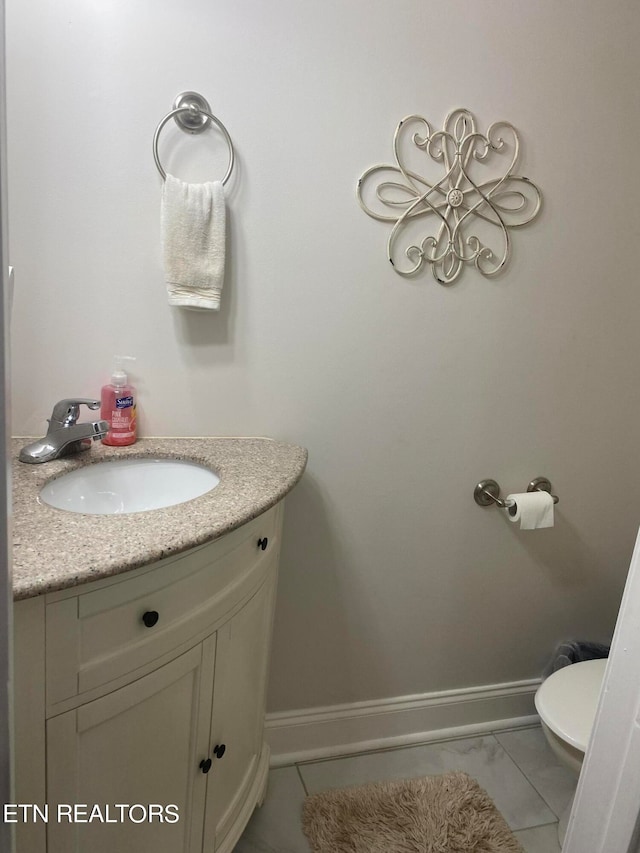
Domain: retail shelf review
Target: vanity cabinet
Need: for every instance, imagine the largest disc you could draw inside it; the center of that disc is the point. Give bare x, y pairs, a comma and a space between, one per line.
148, 689
237, 720
140, 744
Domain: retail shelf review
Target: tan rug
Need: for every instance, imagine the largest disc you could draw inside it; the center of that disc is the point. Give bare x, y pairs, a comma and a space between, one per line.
435, 814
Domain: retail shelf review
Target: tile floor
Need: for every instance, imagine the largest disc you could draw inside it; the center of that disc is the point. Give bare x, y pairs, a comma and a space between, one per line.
517, 768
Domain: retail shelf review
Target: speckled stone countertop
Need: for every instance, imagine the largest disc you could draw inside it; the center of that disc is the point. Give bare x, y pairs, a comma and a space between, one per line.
55, 549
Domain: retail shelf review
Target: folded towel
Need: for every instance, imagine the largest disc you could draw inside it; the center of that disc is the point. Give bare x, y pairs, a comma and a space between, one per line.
193, 240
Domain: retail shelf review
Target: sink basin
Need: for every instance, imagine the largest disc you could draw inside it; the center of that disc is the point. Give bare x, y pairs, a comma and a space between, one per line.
129, 485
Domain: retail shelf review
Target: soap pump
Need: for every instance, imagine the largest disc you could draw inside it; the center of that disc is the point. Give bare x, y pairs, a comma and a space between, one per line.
118, 406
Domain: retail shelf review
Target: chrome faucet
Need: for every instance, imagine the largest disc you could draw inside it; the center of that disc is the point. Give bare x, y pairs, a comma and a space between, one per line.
65, 435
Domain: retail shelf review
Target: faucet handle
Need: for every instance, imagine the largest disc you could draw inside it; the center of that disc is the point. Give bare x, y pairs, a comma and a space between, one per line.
66, 412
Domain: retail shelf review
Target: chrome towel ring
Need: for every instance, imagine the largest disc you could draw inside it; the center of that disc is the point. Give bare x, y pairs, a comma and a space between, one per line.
192, 114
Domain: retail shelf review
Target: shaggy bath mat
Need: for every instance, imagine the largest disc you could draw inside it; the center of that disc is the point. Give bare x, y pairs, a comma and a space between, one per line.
435, 814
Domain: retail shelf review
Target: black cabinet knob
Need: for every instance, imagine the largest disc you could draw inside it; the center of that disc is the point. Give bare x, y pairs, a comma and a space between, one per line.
150, 618
262, 543
219, 750
205, 765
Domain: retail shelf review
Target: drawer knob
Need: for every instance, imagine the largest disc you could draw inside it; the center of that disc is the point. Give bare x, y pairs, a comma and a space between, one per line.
219, 750
262, 543
150, 618
205, 765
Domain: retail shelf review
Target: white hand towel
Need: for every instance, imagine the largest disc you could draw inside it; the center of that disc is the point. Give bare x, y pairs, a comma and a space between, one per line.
193, 241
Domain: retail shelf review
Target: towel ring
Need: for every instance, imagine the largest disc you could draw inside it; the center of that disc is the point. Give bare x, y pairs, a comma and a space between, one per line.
196, 107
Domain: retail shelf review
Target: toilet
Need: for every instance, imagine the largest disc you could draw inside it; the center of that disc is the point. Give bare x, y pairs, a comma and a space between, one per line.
566, 703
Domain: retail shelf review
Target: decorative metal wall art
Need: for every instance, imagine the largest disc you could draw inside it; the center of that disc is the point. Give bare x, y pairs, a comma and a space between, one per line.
457, 203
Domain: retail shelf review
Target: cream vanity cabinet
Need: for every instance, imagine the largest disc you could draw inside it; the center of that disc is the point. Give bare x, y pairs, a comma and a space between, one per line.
148, 689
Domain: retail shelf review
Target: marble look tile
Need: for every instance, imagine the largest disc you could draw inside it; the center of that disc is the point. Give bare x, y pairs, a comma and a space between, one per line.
482, 758
533, 755
275, 827
540, 839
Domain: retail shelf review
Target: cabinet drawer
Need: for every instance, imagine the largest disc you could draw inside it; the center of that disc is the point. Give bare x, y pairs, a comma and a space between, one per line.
107, 632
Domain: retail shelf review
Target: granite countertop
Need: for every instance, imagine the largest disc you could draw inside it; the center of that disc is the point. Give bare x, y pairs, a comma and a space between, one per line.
54, 549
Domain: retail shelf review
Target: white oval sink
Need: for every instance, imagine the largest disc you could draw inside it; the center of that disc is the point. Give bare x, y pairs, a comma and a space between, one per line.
129, 485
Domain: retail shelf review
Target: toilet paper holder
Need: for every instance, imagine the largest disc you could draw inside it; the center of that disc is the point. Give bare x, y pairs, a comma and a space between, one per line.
487, 493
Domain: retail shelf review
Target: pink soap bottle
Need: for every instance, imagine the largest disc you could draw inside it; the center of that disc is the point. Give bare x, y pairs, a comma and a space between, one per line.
118, 406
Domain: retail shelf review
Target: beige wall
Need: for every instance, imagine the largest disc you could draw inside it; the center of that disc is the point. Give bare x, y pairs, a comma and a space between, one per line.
406, 393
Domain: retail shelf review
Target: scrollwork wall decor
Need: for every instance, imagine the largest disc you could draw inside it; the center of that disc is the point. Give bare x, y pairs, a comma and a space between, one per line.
456, 203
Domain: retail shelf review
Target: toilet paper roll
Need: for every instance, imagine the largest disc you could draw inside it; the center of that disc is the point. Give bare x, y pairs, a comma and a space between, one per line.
533, 510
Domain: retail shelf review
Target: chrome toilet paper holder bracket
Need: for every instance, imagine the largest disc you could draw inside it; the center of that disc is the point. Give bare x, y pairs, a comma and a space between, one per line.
487, 493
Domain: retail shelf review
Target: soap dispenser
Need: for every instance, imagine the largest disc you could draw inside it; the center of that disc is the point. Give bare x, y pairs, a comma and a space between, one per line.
118, 406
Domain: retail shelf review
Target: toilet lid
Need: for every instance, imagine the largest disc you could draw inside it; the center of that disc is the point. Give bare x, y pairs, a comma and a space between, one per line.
567, 700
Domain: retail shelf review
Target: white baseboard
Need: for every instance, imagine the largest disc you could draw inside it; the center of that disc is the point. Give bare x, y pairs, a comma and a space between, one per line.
316, 733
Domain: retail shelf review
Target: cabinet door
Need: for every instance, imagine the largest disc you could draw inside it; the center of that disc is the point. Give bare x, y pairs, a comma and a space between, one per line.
139, 745
239, 696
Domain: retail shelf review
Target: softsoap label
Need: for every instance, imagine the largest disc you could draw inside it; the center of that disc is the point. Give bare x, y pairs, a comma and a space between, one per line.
123, 419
